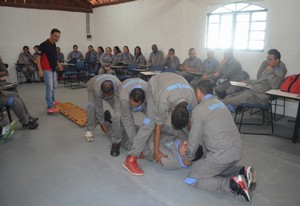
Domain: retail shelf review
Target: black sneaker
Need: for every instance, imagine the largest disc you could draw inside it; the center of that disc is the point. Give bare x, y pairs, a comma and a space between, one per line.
249, 174
31, 125
33, 119
107, 116
239, 186
115, 150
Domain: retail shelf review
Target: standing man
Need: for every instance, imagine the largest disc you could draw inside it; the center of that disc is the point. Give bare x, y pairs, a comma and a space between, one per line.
212, 126
104, 87
46, 62
156, 57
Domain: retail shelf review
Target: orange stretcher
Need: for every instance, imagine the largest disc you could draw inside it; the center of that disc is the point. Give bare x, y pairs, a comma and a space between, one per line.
73, 112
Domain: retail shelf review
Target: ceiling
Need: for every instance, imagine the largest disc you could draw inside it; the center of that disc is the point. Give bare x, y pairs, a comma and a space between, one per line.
65, 5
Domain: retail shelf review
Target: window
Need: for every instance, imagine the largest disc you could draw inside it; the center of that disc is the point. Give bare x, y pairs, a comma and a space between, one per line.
240, 26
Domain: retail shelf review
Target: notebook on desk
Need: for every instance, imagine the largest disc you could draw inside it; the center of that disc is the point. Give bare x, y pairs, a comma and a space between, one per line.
240, 84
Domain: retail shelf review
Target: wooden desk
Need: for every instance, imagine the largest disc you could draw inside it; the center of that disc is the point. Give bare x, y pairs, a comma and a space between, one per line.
277, 93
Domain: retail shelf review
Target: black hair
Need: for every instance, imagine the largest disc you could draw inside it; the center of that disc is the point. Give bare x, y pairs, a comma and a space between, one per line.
173, 50
36, 46
54, 30
138, 95
117, 48
25, 47
126, 47
180, 116
101, 48
90, 46
205, 86
75, 46
275, 53
107, 87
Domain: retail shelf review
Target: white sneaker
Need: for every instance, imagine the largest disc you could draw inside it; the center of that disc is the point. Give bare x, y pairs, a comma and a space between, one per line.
88, 136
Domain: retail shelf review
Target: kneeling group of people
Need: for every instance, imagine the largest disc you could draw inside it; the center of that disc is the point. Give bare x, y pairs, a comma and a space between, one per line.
203, 136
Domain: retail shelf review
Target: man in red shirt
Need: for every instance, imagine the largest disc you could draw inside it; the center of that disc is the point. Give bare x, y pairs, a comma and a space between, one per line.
46, 62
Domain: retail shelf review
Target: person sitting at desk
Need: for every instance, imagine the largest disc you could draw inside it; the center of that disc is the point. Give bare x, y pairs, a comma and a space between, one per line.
60, 55
171, 61
127, 57
139, 58
91, 57
14, 102
106, 61
156, 57
25, 61
36, 50
117, 56
211, 67
100, 52
3, 74
75, 54
270, 76
191, 65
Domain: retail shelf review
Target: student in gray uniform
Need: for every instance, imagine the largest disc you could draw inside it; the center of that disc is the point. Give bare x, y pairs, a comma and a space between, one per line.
212, 126
171, 61
100, 52
106, 61
127, 57
156, 57
104, 87
270, 76
14, 102
231, 70
91, 57
191, 65
139, 58
75, 54
117, 56
25, 60
167, 92
211, 67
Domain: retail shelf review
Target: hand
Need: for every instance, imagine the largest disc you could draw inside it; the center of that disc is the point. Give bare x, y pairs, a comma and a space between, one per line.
106, 68
40, 73
157, 157
183, 148
104, 128
60, 68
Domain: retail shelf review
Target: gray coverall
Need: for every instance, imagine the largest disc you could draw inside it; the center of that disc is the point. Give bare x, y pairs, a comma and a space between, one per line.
210, 66
127, 57
106, 61
155, 59
25, 59
194, 63
256, 95
171, 63
95, 111
213, 128
165, 91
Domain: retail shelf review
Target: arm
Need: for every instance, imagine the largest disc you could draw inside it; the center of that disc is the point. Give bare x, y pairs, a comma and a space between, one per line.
157, 154
275, 77
38, 64
128, 119
165, 62
60, 67
175, 63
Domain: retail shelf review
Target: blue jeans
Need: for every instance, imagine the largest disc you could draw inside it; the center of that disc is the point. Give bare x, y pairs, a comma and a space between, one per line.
51, 84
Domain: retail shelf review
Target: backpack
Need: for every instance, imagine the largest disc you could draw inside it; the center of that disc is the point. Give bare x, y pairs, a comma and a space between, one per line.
291, 84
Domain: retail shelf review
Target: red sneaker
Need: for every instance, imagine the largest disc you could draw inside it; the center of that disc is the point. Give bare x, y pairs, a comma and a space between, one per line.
52, 110
131, 166
56, 102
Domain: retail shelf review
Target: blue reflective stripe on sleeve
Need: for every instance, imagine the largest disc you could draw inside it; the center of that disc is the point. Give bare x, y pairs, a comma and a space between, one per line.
146, 121
179, 156
11, 101
207, 96
190, 180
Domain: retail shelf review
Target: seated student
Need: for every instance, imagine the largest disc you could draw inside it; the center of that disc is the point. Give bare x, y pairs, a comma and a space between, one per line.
156, 57
75, 54
212, 126
60, 56
211, 67
106, 61
231, 70
191, 64
139, 58
171, 61
36, 50
3, 74
14, 101
270, 76
91, 57
100, 52
117, 56
25, 60
127, 57
104, 87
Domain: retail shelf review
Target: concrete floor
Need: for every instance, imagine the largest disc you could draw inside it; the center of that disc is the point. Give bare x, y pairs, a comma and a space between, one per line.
53, 165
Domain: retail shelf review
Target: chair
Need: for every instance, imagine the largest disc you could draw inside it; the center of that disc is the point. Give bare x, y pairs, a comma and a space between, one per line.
73, 75
7, 111
20, 76
258, 108
169, 70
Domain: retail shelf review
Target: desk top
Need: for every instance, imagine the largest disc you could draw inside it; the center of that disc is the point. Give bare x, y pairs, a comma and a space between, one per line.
278, 93
67, 64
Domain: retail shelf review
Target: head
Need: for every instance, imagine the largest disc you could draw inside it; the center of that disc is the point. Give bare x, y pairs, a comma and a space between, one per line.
100, 49
75, 48
107, 88
137, 50
210, 53
202, 88
192, 53
25, 49
180, 116
58, 49
228, 54
108, 50
154, 48
36, 48
171, 52
125, 49
54, 36
273, 58
137, 97
90, 48
116, 50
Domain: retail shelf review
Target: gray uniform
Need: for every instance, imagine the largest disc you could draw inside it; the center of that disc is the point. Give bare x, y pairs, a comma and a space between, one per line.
194, 63
140, 59
210, 66
127, 118
91, 58
106, 61
75, 55
165, 91
171, 63
95, 111
155, 59
230, 71
26, 60
213, 128
256, 95
127, 57
117, 59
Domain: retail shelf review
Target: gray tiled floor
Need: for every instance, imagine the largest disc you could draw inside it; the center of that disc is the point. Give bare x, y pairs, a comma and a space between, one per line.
53, 165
